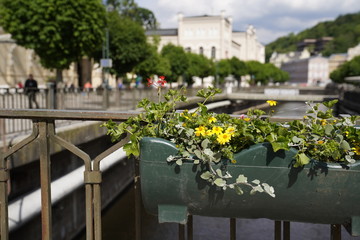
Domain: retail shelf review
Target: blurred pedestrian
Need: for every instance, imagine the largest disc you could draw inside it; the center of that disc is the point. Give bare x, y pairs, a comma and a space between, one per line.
30, 89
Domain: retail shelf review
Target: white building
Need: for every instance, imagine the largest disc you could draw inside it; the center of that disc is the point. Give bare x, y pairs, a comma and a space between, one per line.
214, 37
310, 71
279, 58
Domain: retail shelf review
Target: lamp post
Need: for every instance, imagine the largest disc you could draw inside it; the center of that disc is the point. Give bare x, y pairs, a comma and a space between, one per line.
106, 63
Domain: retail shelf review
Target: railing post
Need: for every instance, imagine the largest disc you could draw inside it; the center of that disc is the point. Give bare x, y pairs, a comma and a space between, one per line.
45, 180
105, 97
51, 96
232, 228
4, 177
335, 232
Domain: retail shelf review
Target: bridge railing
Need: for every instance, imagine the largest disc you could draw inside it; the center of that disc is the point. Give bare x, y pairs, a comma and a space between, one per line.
43, 131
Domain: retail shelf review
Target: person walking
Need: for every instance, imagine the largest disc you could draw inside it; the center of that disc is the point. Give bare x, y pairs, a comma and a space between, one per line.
30, 89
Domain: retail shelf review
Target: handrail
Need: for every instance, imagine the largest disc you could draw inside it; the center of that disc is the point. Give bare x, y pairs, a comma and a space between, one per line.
44, 132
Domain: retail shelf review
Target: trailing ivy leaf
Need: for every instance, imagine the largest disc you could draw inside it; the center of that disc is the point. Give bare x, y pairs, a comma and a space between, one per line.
297, 140
301, 160
328, 129
219, 173
198, 154
220, 182
208, 152
179, 162
131, 148
238, 190
241, 179
217, 157
205, 143
345, 145
256, 181
206, 175
269, 190
196, 161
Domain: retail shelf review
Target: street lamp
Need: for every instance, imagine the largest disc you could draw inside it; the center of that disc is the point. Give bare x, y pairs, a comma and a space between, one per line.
105, 64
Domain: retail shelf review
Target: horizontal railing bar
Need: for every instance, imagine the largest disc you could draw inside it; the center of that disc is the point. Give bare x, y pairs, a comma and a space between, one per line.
39, 114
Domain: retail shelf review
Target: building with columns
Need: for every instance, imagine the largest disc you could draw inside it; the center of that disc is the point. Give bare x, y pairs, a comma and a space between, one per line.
212, 36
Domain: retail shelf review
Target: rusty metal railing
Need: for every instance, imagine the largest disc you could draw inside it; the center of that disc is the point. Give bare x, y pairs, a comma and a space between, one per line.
44, 132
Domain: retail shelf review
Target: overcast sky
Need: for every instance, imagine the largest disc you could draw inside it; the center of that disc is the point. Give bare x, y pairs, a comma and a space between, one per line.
271, 18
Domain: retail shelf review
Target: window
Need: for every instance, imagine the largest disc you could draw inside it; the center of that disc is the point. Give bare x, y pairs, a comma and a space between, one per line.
188, 49
213, 52
201, 51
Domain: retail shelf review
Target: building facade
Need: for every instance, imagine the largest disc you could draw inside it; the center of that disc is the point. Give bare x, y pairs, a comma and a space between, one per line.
310, 71
17, 62
212, 36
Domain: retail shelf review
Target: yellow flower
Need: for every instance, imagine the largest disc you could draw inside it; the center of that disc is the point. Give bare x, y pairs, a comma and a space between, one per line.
230, 130
194, 114
271, 102
247, 119
208, 133
217, 130
183, 115
211, 119
184, 124
320, 142
223, 138
200, 131
356, 150
346, 133
233, 161
323, 122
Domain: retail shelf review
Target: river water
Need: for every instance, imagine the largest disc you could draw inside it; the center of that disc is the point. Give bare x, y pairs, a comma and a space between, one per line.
119, 218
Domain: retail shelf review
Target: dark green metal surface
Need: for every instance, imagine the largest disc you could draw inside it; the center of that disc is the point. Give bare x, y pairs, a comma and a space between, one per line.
325, 194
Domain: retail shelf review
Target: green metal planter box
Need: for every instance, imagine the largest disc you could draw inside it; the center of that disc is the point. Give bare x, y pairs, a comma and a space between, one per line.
328, 194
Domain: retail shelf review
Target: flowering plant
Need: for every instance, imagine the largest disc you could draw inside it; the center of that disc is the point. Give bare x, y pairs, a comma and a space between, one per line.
204, 137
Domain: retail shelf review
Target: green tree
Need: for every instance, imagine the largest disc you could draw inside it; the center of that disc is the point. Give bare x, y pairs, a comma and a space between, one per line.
129, 8
178, 59
253, 69
199, 66
128, 46
348, 69
59, 31
153, 64
238, 69
345, 31
223, 69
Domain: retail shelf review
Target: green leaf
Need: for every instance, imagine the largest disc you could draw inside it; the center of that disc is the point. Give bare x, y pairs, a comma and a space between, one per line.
220, 182
205, 143
256, 181
131, 148
345, 145
238, 190
179, 162
198, 154
301, 160
219, 173
206, 175
241, 179
328, 129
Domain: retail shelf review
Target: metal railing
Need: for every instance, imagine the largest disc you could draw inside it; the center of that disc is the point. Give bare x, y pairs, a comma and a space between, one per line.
43, 130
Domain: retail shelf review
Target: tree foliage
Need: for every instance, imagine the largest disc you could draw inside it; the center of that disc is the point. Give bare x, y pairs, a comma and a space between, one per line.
348, 69
59, 31
178, 60
129, 8
153, 64
128, 46
345, 30
199, 66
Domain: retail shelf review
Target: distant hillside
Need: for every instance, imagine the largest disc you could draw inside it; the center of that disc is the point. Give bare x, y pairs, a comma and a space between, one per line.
345, 30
